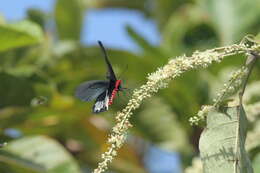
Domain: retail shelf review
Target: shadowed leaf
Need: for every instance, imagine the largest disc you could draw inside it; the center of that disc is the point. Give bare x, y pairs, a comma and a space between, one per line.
222, 143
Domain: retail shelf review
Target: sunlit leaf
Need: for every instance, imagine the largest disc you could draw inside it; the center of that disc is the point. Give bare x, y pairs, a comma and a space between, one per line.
40, 154
232, 18
19, 34
22, 70
68, 17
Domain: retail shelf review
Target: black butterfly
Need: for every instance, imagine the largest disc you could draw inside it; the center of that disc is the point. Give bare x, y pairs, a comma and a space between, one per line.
104, 91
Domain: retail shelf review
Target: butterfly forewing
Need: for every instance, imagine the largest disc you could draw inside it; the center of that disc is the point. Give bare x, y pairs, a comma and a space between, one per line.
111, 75
91, 90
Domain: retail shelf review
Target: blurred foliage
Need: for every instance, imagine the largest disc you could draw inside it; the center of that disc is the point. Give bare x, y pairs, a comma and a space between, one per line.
68, 17
39, 70
40, 154
19, 34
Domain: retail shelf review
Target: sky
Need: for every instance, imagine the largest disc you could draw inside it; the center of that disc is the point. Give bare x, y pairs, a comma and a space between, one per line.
16, 9
105, 25
109, 26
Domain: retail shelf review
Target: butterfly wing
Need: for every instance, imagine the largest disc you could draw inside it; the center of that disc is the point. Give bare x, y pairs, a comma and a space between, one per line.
111, 74
91, 90
101, 103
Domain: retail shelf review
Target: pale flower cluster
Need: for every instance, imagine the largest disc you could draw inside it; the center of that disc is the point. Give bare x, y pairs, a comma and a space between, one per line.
228, 89
201, 115
232, 87
158, 80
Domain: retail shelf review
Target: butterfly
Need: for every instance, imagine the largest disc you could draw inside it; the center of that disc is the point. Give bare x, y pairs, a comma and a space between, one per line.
104, 91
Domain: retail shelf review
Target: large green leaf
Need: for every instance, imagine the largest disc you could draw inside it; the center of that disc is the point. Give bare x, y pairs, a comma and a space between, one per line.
39, 153
19, 34
68, 16
222, 142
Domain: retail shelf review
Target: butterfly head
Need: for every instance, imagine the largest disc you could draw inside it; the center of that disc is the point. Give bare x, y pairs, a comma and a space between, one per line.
119, 85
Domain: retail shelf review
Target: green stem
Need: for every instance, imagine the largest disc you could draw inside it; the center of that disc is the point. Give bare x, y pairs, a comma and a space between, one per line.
250, 62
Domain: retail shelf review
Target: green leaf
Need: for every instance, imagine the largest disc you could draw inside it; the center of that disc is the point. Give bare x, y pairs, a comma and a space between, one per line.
14, 162
37, 16
22, 70
39, 153
140, 41
19, 34
124, 4
164, 9
15, 91
154, 53
222, 142
68, 16
187, 31
232, 18
256, 163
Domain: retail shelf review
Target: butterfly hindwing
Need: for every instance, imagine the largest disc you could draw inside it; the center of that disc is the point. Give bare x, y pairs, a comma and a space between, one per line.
101, 103
91, 90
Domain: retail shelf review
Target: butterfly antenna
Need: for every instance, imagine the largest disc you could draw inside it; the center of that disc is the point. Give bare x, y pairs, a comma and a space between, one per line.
127, 91
124, 96
123, 72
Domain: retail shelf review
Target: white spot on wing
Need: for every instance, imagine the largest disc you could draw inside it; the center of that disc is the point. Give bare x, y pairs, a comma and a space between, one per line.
106, 100
102, 105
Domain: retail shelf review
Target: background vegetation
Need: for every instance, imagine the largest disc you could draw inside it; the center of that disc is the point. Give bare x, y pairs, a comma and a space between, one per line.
40, 66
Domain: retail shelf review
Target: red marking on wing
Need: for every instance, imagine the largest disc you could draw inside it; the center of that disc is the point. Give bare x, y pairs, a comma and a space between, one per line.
113, 95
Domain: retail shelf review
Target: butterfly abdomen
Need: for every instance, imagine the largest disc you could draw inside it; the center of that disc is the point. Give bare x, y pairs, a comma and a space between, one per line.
115, 90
